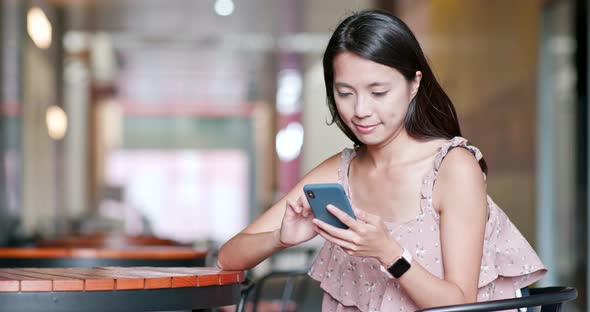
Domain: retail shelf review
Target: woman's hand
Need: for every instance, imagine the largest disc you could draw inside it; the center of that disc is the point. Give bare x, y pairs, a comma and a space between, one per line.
296, 226
368, 236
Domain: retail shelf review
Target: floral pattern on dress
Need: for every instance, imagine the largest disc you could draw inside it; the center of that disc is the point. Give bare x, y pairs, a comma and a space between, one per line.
354, 284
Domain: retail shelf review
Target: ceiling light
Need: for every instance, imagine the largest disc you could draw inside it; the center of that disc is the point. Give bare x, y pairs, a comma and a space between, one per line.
57, 122
224, 7
289, 142
39, 27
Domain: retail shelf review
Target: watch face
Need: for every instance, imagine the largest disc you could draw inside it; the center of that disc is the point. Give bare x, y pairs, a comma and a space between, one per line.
399, 267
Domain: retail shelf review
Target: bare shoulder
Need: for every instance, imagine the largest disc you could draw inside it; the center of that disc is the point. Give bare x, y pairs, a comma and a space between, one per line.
460, 163
459, 177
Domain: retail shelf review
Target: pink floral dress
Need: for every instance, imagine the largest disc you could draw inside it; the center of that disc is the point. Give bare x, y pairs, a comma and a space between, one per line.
357, 284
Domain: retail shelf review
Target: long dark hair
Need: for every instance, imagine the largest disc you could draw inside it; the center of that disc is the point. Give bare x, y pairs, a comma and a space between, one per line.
385, 39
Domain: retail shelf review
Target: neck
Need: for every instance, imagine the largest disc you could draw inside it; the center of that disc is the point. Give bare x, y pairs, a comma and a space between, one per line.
396, 150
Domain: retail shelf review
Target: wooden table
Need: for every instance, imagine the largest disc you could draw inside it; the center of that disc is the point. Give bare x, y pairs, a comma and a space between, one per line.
105, 240
117, 289
167, 256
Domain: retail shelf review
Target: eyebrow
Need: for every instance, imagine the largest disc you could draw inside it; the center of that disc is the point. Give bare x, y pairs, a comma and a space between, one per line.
371, 85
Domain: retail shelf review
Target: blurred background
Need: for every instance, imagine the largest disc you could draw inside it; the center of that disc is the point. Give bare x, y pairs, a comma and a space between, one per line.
185, 119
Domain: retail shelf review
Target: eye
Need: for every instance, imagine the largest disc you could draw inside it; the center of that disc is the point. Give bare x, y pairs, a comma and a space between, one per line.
344, 94
379, 94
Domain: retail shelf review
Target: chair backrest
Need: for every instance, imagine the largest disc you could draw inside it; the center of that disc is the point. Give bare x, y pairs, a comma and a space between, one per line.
550, 299
252, 297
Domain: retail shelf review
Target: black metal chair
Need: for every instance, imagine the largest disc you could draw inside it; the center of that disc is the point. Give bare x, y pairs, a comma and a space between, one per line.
550, 299
252, 290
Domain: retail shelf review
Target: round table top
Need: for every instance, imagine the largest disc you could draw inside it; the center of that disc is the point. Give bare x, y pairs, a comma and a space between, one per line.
113, 278
118, 289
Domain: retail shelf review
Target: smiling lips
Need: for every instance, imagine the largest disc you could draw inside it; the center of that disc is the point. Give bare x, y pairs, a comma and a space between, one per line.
365, 129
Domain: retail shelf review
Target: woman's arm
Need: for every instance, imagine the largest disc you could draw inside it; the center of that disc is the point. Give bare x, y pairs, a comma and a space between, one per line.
286, 223
245, 250
461, 198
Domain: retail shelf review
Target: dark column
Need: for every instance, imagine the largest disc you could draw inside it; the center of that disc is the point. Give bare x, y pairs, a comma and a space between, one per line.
582, 29
12, 27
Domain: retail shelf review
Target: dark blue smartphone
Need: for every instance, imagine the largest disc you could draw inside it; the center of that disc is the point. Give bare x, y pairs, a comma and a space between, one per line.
321, 195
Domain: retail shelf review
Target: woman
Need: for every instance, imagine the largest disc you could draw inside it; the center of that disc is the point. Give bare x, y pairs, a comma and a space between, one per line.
426, 232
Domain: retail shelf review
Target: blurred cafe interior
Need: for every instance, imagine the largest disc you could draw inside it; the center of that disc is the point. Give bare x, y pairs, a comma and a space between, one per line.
180, 121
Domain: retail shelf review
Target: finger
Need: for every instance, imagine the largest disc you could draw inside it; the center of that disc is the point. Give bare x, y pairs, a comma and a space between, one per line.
351, 252
296, 206
304, 202
343, 234
335, 240
305, 207
292, 208
306, 212
360, 215
367, 217
298, 201
343, 216
288, 209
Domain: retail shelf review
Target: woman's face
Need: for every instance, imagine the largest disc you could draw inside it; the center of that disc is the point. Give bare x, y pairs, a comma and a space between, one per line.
372, 99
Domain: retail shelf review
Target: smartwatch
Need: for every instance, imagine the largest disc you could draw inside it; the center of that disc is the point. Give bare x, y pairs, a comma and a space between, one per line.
399, 266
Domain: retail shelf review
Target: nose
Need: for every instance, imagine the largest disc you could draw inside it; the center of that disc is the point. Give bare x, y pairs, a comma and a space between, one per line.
362, 107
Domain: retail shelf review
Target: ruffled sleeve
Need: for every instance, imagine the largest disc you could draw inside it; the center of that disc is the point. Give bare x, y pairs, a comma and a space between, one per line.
507, 253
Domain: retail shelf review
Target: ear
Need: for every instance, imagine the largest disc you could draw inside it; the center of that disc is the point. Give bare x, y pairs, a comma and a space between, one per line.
415, 83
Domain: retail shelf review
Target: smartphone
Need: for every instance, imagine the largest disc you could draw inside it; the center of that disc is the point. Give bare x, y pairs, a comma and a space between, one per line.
321, 195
